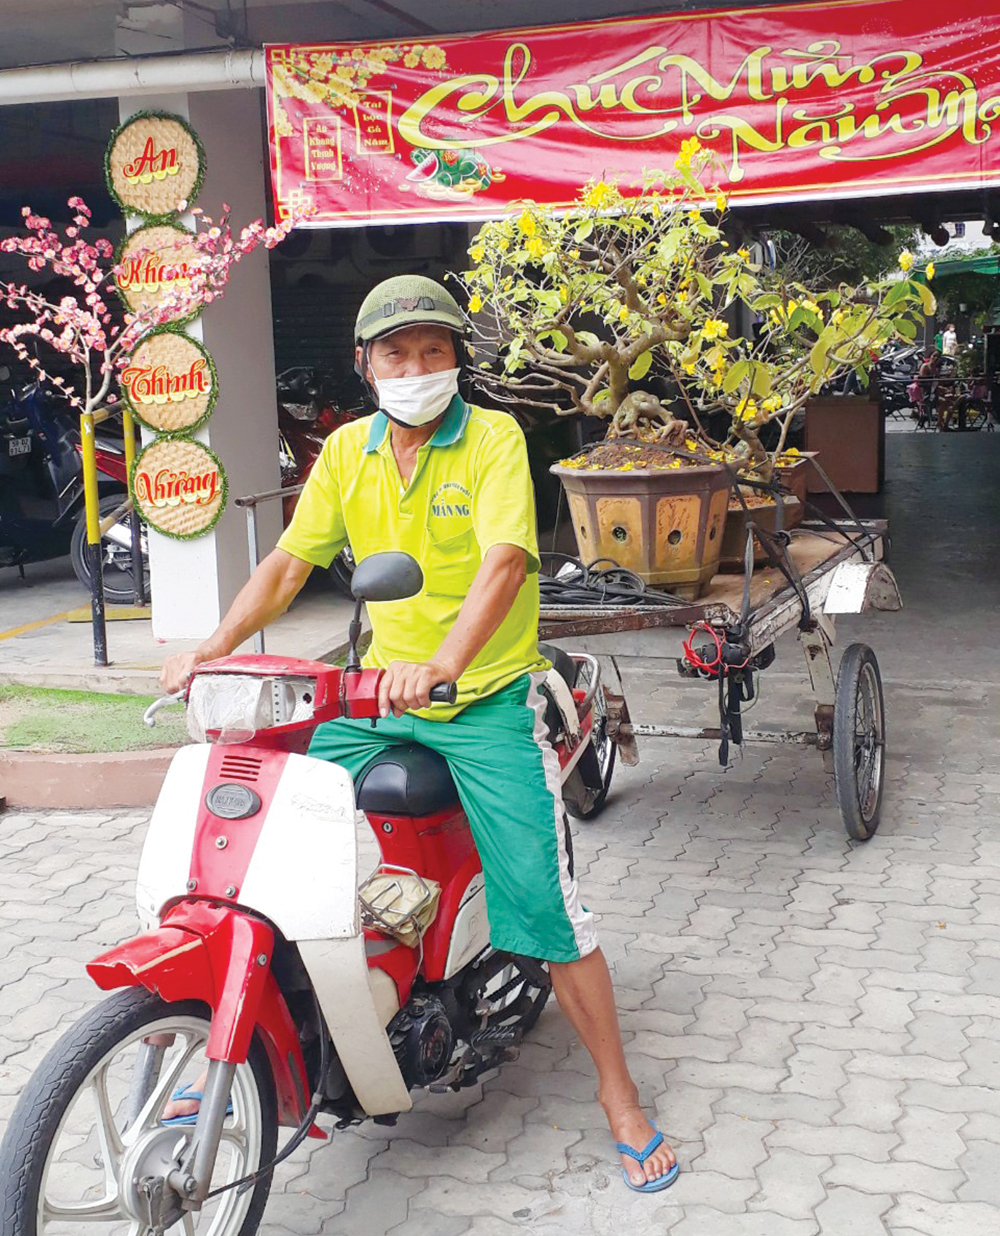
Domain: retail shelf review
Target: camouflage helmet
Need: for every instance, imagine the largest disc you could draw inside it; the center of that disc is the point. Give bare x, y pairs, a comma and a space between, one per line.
406, 300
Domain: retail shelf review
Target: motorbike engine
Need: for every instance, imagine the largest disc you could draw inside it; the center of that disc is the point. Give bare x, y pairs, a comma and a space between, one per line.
422, 1039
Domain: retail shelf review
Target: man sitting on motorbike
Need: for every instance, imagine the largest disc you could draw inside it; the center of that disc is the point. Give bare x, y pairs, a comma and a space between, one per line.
449, 483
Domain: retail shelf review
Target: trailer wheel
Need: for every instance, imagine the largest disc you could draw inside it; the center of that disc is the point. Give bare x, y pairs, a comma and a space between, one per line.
859, 741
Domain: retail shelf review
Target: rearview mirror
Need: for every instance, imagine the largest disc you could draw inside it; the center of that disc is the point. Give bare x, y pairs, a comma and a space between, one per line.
388, 576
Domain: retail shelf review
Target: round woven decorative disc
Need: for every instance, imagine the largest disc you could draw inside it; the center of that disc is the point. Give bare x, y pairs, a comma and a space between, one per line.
154, 164
179, 487
155, 262
170, 382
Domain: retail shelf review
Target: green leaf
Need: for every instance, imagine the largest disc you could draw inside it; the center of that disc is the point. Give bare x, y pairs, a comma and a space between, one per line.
603, 394
588, 338
760, 384
735, 376
584, 230
641, 365
820, 350
906, 327
926, 297
898, 292
768, 300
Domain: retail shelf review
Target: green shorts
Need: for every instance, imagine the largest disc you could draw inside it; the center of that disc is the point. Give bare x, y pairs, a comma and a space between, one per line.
507, 776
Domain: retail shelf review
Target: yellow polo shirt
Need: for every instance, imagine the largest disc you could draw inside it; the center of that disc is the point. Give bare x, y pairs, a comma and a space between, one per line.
470, 490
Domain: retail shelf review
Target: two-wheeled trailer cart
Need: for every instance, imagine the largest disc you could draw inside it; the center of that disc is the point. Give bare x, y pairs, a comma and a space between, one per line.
823, 570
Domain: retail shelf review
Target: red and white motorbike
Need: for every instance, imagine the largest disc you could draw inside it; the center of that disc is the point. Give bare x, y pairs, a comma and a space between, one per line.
268, 974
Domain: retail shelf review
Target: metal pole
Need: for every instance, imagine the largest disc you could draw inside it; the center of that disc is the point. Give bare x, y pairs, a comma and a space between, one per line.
258, 639
92, 508
135, 524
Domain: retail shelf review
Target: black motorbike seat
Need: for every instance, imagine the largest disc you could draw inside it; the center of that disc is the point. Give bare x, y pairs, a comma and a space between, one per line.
414, 780
405, 780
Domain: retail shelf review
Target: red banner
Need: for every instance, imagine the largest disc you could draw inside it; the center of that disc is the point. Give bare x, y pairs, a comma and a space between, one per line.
851, 99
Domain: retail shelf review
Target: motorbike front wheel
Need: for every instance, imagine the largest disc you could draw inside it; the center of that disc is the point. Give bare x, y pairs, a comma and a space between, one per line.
87, 1127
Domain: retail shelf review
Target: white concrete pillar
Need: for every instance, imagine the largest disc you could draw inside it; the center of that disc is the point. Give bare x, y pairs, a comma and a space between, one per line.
193, 582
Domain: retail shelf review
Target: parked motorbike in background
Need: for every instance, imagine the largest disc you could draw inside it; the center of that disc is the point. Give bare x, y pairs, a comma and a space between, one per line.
307, 414
40, 491
305, 991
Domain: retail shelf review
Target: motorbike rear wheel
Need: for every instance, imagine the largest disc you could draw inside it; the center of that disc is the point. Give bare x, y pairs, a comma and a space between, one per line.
117, 559
88, 1125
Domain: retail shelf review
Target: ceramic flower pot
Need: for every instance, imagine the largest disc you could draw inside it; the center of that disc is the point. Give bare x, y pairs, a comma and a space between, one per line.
734, 538
665, 524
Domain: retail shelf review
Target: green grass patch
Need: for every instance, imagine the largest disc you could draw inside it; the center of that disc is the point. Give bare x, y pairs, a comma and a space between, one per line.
75, 722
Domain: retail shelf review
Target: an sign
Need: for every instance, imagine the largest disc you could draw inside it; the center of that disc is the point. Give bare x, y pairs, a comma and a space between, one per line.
154, 165
852, 98
179, 487
154, 264
170, 382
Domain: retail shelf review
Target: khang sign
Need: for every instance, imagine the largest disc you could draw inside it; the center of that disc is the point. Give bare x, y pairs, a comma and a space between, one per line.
154, 165
170, 382
179, 487
155, 263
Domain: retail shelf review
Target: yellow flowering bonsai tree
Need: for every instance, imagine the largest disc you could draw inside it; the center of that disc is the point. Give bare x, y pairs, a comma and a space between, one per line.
621, 307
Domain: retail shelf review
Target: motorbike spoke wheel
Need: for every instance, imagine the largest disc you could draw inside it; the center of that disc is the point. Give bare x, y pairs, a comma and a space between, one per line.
509, 991
88, 1126
586, 789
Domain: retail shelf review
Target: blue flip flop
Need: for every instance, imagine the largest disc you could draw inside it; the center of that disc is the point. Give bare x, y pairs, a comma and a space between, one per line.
196, 1096
640, 1156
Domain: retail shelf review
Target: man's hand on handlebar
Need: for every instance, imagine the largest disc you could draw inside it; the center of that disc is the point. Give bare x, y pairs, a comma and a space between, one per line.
179, 668
407, 684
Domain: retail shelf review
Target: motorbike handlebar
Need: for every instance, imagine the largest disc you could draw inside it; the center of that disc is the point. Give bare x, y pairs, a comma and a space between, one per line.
444, 693
149, 716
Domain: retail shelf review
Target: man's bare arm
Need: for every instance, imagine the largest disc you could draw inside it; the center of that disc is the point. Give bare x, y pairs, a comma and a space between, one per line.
265, 596
496, 585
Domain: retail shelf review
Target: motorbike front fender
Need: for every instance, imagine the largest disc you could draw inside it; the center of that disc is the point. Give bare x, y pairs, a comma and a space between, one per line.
221, 957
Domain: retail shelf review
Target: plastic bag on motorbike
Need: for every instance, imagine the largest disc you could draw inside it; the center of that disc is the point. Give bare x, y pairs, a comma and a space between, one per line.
232, 708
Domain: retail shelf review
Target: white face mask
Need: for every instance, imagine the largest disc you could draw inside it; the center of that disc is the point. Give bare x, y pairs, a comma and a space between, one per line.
417, 401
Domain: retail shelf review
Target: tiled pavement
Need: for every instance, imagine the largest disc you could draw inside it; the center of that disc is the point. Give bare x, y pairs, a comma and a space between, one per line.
816, 1024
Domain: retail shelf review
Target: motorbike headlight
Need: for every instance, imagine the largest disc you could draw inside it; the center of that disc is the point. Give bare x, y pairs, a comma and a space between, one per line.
236, 706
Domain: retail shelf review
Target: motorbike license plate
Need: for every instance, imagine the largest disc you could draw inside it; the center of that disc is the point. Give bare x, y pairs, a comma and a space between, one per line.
19, 446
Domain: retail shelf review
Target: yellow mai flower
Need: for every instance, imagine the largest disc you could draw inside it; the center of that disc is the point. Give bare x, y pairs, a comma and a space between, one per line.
675, 463
475, 303
715, 328
599, 195
661, 299
690, 367
564, 293
477, 253
689, 148
434, 57
526, 223
574, 254
929, 272
696, 215
772, 404
681, 296
744, 254
411, 60
690, 444
536, 246
905, 260
623, 313
504, 244
720, 201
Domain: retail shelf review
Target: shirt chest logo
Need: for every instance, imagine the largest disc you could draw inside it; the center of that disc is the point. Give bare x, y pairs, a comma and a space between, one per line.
450, 510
